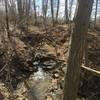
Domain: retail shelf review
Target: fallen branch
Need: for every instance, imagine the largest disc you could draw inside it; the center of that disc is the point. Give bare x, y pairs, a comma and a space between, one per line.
97, 73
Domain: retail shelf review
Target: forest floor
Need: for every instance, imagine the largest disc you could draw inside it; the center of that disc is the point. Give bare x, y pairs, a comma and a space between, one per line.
38, 65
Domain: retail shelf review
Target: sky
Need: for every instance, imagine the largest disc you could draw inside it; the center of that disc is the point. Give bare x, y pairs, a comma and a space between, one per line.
62, 7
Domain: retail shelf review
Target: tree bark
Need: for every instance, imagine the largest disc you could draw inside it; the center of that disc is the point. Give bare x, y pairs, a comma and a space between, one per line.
96, 12
52, 13
66, 11
58, 3
77, 49
35, 14
21, 15
44, 11
7, 21
28, 4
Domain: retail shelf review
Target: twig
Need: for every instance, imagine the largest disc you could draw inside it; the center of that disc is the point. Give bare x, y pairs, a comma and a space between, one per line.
3, 68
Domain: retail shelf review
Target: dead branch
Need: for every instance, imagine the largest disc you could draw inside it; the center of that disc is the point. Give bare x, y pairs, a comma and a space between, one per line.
95, 72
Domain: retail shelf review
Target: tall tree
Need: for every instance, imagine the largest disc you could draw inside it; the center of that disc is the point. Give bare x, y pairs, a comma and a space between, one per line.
28, 4
44, 10
76, 49
7, 21
44, 7
12, 11
21, 15
96, 8
35, 14
52, 12
66, 11
58, 4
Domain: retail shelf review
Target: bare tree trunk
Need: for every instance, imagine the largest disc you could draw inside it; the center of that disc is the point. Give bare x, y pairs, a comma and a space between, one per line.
52, 13
44, 10
77, 49
66, 11
28, 4
44, 7
86, 51
96, 12
7, 52
7, 21
35, 14
21, 15
12, 13
58, 3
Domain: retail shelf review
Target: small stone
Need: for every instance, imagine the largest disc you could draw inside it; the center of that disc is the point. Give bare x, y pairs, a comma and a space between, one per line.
55, 74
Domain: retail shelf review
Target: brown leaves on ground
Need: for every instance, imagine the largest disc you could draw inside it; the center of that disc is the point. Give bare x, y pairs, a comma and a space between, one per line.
55, 44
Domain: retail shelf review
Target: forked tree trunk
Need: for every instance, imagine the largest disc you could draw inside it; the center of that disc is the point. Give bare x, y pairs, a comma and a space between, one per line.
76, 49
